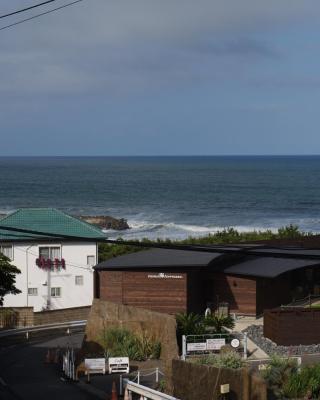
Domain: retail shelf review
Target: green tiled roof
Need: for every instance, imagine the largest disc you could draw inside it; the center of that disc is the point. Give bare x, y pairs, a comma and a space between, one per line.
48, 220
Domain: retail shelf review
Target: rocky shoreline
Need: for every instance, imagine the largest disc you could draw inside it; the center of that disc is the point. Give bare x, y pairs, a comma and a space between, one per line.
106, 222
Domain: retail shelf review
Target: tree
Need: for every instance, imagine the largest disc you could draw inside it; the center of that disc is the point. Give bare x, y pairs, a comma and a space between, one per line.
7, 277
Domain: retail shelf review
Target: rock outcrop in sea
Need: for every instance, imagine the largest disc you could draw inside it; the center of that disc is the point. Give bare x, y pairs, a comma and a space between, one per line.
107, 222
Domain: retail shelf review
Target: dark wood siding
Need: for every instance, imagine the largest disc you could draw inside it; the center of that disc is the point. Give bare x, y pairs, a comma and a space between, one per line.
146, 290
196, 301
239, 292
273, 292
292, 327
111, 286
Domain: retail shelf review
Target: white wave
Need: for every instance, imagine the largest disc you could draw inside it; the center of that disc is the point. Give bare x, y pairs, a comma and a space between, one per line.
172, 230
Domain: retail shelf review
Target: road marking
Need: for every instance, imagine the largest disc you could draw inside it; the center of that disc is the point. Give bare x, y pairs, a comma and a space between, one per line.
2, 382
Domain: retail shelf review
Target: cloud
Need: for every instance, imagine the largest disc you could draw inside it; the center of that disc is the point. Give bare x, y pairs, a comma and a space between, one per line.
128, 46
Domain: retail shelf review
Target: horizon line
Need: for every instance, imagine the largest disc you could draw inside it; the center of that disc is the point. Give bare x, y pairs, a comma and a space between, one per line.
157, 155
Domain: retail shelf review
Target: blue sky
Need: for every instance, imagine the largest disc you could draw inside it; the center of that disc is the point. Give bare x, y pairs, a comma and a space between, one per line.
169, 77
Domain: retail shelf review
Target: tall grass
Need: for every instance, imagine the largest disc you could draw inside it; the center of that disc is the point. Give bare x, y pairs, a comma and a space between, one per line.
120, 342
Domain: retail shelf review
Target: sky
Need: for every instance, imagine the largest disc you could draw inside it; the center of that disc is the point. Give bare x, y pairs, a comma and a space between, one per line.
169, 77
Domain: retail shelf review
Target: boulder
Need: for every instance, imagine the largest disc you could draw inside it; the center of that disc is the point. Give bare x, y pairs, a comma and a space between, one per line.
107, 222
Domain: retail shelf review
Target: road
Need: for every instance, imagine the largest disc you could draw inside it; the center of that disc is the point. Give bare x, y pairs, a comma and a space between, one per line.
24, 374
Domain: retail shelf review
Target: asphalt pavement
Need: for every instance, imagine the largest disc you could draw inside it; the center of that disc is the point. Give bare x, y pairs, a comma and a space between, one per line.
24, 374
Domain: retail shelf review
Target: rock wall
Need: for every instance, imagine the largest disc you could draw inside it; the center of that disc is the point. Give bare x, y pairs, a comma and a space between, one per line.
161, 327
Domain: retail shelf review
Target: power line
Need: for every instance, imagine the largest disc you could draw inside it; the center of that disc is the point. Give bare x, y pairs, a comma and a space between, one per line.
26, 9
267, 251
39, 15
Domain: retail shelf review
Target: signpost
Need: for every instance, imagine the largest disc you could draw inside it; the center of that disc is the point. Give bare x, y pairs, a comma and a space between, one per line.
119, 364
95, 365
215, 344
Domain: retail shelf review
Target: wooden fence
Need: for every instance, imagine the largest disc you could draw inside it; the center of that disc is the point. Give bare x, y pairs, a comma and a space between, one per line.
292, 326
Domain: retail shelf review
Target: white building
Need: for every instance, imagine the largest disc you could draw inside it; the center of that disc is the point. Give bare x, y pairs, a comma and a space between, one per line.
55, 273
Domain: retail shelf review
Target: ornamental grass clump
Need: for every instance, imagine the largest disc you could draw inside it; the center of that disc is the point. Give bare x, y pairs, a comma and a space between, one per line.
303, 384
120, 342
230, 359
278, 373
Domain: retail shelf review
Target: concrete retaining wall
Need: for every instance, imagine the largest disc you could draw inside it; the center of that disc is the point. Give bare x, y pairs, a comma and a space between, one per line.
63, 315
17, 317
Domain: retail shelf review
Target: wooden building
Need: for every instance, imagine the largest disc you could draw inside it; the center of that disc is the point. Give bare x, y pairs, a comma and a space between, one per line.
172, 281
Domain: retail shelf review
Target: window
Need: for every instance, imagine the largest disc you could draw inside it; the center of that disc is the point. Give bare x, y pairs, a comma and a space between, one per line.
7, 250
91, 260
49, 253
55, 292
79, 280
32, 291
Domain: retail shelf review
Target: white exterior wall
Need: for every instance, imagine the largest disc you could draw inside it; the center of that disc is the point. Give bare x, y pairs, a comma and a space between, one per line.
72, 295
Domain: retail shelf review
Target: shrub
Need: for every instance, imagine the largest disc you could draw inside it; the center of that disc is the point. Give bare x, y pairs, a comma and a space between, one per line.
278, 372
118, 342
304, 383
190, 324
230, 359
218, 323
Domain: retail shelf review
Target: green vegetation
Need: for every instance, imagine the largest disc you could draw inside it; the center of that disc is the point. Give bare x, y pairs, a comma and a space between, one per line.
7, 277
117, 342
286, 380
195, 324
278, 372
217, 323
305, 384
190, 324
225, 236
230, 359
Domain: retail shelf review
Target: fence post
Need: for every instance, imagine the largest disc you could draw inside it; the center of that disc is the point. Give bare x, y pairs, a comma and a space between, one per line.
245, 346
184, 347
138, 378
157, 375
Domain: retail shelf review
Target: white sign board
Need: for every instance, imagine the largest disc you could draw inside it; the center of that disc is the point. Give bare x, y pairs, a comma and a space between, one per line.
215, 344
197, 346
95, 365
118, 364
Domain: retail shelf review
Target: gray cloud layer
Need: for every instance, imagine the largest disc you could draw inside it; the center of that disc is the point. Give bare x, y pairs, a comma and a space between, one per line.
129, 45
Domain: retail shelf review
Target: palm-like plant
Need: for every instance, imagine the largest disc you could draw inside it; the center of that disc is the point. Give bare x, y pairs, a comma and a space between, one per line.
190, 324
218, 322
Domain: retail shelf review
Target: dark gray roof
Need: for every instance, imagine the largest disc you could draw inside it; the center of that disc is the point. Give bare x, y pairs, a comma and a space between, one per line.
268, 267
159, 258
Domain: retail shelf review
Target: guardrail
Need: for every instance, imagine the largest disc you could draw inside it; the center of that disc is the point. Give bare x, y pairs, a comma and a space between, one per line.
145, 392
27, 330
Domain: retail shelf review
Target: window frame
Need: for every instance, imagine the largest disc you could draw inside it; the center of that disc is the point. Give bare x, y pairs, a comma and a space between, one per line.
51, 247
82, 280
55, 292
2, 245
34, 289
94, 260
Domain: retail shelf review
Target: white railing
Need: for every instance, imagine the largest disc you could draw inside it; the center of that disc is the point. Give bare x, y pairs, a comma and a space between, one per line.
37, 328
145, 392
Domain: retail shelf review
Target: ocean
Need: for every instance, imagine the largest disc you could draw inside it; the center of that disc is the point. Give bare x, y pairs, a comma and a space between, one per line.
170, 197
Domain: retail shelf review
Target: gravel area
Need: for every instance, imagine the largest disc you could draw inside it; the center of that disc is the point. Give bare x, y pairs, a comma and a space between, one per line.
255, 333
